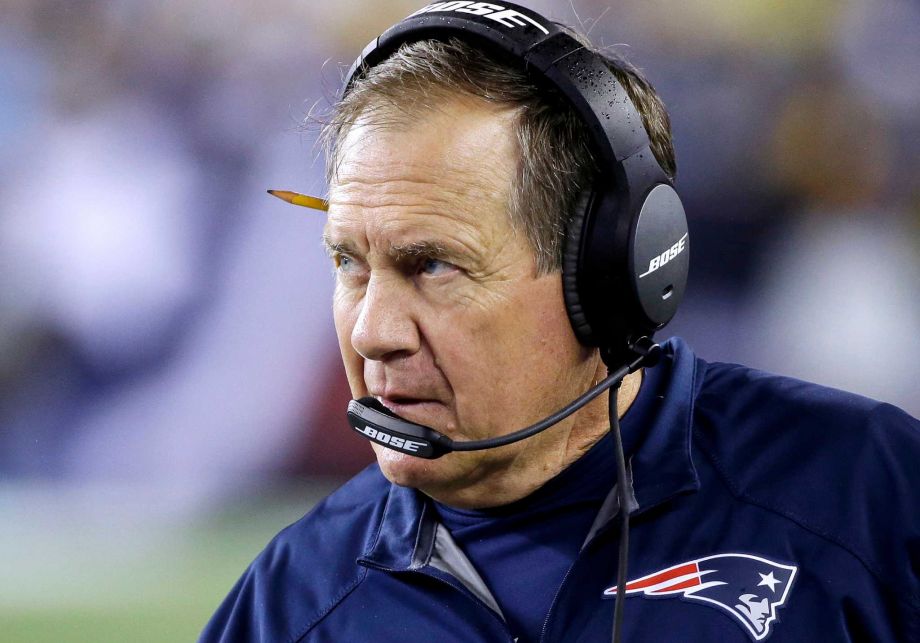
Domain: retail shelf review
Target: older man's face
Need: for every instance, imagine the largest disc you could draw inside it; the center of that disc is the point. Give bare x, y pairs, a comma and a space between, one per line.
439, 310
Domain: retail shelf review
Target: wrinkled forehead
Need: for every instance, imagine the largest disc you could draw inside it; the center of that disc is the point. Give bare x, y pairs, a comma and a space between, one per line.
459, 131
459, 160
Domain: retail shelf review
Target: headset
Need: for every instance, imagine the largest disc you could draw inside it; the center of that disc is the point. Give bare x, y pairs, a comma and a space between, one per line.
626, 252
625, 259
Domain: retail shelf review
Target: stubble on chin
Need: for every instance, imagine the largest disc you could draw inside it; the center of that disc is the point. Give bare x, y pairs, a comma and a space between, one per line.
402, 469
442, 478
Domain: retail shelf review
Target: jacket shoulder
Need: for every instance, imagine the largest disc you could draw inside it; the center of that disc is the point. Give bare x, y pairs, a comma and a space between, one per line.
840, 465
307, 569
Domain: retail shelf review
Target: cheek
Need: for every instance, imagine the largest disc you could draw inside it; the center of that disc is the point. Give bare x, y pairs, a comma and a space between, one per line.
513, 360
527, 326
344, 317
478, 349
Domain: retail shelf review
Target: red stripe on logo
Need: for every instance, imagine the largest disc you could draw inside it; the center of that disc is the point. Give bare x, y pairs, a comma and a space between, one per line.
690, 582
663, 577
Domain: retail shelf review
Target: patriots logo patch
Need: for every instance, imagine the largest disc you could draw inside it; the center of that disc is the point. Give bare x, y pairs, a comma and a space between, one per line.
749, 588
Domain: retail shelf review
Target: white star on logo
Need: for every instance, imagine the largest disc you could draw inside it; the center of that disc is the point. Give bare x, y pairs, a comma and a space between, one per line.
769, 580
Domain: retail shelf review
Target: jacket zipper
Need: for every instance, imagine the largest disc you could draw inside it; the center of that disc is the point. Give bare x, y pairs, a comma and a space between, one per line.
568, 572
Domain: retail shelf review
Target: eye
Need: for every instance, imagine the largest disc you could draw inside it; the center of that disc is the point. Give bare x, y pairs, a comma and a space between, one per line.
343, 262
349, 270
435, 267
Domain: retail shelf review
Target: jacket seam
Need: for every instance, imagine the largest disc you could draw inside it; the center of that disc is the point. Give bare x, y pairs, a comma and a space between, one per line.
914, 600
423, 539
700, 370
383, 514
315, 620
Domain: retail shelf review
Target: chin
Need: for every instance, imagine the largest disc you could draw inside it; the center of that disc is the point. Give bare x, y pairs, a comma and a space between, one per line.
402, 469
432, 477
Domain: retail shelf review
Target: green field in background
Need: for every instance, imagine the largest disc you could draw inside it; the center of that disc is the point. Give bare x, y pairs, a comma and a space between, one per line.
76, 590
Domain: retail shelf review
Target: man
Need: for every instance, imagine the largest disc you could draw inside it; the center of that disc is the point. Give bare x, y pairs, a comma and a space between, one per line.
764, 506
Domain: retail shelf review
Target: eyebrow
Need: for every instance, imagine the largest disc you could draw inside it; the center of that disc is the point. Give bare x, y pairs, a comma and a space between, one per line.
399, 252
338, 247
418, 249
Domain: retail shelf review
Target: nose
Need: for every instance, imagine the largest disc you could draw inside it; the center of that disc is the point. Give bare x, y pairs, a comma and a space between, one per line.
385, 327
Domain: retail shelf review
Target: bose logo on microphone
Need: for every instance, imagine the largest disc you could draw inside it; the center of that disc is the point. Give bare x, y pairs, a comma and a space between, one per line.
403, 444
505, 17
666, 256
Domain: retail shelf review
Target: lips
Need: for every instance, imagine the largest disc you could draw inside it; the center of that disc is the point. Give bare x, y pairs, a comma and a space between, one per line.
394, 402
417, 394
415, 409
392, 396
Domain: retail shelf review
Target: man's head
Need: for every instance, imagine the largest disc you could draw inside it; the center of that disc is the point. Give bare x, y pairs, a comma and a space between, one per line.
452, 181
553, 161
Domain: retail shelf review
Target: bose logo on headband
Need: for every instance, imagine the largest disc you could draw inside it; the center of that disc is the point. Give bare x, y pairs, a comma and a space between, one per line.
505, 17
666, 256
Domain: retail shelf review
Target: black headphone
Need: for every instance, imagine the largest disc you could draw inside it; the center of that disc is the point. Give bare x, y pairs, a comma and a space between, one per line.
626, 252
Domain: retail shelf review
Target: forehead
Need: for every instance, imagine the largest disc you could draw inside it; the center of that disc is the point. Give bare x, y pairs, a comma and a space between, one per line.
451, 167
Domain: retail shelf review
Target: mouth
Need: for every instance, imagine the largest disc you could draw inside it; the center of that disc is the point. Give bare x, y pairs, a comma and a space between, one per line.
418, 410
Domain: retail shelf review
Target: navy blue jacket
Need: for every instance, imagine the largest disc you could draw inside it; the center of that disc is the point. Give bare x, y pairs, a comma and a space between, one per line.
768, 507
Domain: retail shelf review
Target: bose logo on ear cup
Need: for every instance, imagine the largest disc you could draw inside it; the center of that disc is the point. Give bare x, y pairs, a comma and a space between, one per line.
666, 256
501, 15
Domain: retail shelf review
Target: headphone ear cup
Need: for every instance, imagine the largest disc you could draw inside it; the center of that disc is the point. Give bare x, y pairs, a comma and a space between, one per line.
660, 252
571, 255
646, 288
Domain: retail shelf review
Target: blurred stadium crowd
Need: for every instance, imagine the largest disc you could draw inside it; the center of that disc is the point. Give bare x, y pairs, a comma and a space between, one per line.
164, 325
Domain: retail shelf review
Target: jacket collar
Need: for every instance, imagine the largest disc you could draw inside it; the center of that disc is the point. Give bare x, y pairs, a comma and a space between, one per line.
405, 539
659, 451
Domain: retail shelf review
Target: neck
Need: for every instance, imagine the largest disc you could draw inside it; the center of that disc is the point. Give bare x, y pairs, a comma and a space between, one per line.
629, 391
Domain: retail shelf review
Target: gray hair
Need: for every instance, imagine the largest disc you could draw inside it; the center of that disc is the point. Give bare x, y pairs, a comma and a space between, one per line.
555, 163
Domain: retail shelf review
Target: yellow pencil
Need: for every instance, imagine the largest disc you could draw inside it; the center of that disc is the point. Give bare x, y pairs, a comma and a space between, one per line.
301, 199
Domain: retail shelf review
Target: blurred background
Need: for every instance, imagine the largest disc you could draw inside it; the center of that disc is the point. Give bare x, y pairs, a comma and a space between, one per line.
170, 388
